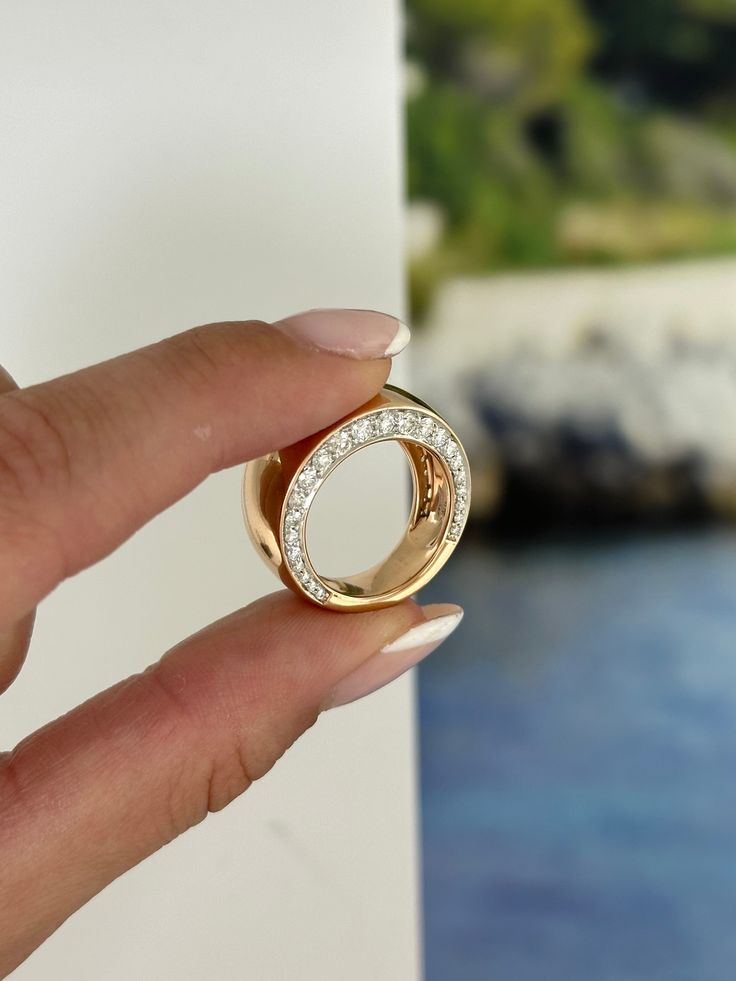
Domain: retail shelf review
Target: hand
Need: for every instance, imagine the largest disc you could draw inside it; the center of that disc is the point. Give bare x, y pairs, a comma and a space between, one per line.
95, 792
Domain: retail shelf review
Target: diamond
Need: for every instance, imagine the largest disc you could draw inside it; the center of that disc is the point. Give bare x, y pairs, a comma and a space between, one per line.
362, 430
387, 422
460, 478
407, 422
322, 461
291, 535
426, 427
451, 449
296, 559
341, 442
308, 478
439, 437
315, 589
296, 500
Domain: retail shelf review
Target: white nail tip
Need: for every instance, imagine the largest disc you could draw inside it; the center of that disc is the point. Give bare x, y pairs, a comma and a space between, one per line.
400, 340
429, 632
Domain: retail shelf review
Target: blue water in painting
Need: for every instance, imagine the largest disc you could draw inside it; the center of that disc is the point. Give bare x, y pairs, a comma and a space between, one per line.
578, 744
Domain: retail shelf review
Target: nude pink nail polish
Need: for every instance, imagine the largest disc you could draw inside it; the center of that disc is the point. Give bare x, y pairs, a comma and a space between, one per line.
362, 334
399, 655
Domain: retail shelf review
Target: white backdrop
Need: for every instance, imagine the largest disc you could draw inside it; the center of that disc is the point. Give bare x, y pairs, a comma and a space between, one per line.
165, 164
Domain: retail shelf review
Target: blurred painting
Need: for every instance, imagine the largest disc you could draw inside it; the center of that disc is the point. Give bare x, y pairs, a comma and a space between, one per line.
571, 254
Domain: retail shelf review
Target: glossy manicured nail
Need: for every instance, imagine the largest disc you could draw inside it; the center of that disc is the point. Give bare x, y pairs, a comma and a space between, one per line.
362, 334
398, 655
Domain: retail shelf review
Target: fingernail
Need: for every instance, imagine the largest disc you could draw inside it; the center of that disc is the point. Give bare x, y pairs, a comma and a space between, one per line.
362, 334
398, 655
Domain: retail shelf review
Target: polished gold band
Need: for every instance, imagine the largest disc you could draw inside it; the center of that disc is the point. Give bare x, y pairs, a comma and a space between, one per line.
279, 489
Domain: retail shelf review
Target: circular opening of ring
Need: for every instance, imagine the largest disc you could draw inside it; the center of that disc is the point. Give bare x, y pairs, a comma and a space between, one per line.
361, 512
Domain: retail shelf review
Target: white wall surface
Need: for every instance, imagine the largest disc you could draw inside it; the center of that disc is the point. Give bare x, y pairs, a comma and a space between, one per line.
165, 164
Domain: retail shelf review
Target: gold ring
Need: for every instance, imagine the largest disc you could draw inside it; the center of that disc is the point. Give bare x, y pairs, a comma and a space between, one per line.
278, 490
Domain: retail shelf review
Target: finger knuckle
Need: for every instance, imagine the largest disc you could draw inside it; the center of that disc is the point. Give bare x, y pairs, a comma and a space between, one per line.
211, 349
33, 449
35, 467
229, 777
210, 765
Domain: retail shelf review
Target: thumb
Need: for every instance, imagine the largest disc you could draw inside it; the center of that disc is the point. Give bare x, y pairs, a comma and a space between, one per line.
95, 792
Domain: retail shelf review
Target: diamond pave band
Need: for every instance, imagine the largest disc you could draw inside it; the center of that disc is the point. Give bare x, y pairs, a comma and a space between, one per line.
417, 426
439, 512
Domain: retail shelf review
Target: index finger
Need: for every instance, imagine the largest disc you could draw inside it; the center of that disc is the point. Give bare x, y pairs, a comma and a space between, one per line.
88, 458
14, 636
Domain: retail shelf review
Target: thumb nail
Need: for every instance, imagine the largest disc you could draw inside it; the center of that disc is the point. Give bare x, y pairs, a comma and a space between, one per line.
398, 655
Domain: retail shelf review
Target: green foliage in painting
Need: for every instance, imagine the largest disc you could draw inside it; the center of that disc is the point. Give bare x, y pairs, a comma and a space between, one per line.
546, 133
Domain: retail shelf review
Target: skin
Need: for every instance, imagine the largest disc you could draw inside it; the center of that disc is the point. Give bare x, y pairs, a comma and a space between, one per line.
92, 794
